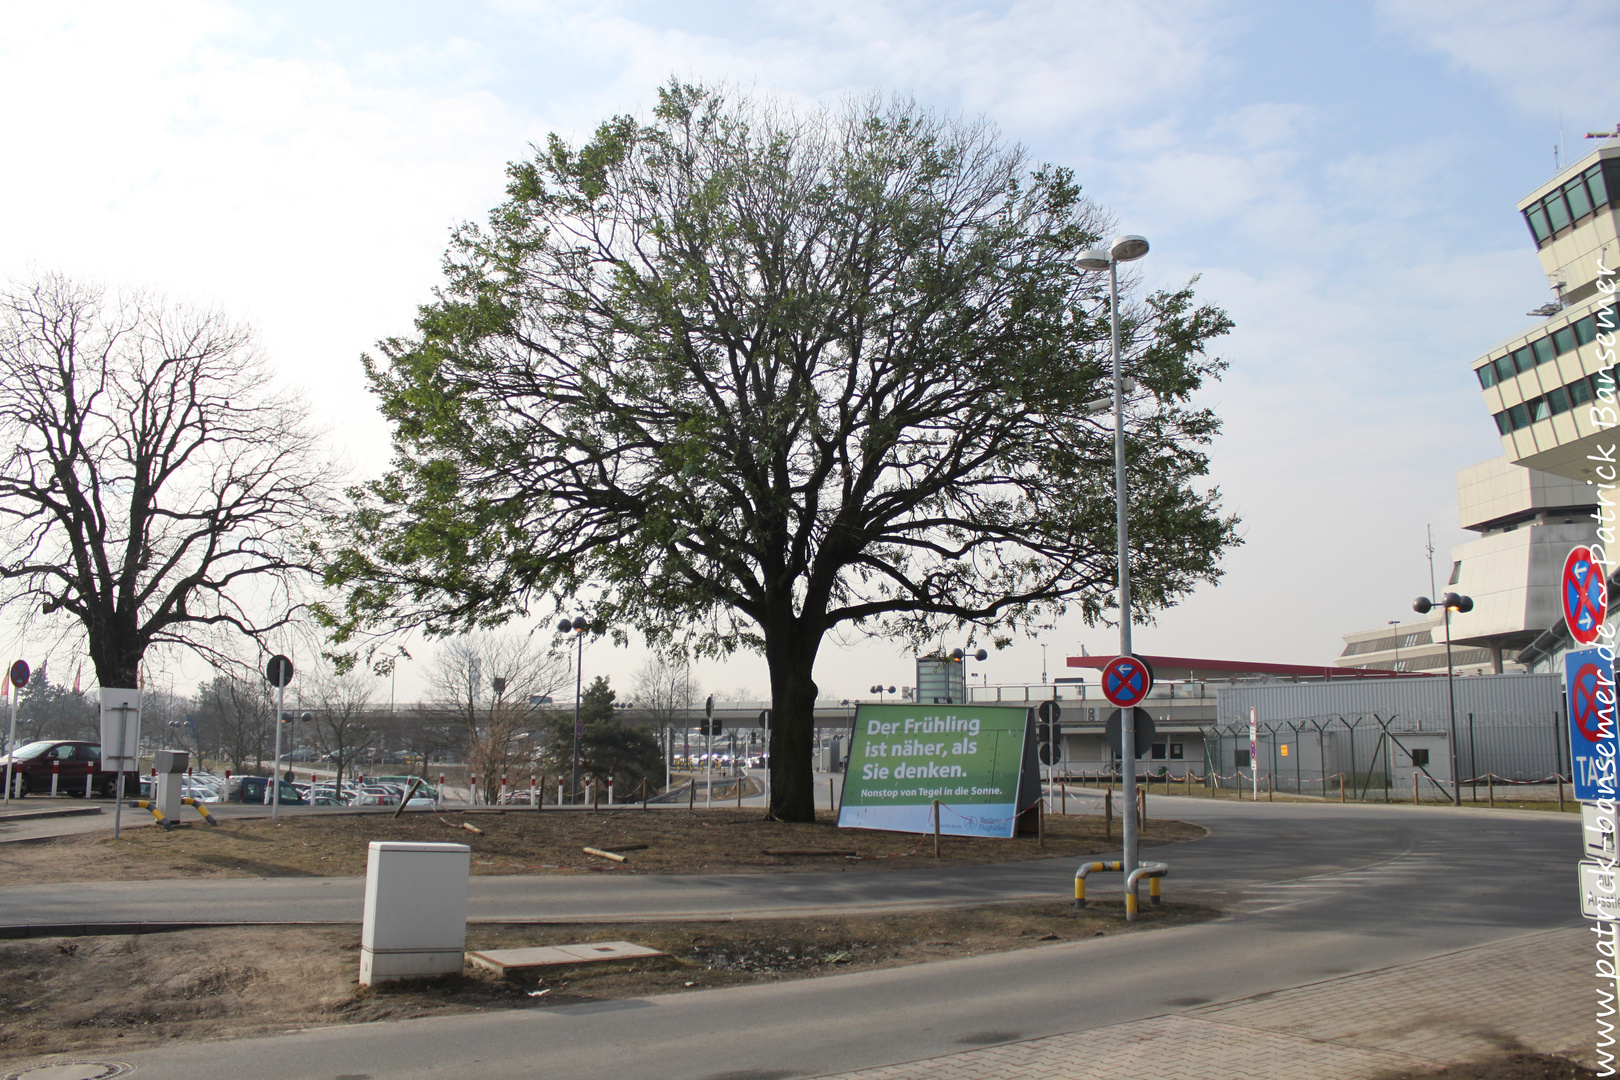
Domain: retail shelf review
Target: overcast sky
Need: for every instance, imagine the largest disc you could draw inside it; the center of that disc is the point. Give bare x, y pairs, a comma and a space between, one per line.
1342, 176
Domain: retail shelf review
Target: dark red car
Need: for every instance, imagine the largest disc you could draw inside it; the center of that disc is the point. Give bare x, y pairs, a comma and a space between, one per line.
71, 761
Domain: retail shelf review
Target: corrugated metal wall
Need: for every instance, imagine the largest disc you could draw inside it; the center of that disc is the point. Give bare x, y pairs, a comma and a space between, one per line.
1508, 725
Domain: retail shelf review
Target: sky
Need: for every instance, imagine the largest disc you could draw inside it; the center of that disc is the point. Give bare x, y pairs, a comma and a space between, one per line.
1341, 178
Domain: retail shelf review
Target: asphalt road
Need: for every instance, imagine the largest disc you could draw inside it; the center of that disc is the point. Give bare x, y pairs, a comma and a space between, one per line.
1312, 891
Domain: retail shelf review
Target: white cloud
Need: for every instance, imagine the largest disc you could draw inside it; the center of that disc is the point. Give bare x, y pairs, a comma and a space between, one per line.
1540, 56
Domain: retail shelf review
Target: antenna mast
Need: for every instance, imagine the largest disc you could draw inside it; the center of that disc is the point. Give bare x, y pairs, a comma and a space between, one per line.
1430, 529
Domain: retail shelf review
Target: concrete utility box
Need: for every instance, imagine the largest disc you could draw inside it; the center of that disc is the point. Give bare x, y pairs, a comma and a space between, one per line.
171, 779
415, 921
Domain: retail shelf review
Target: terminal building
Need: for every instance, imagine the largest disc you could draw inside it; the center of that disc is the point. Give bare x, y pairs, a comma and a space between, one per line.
1540, 387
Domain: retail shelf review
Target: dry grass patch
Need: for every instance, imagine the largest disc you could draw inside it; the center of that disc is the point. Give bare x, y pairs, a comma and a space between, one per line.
60, 995
527, 842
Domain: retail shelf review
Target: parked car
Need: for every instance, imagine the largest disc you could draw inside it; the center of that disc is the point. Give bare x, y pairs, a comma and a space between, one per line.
71, 760
404, 783
256, 789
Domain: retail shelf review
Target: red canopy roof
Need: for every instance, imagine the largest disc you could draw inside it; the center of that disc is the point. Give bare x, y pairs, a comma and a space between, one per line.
1187, 667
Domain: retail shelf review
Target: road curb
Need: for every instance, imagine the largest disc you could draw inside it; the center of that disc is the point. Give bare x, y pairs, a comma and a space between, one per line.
35, 815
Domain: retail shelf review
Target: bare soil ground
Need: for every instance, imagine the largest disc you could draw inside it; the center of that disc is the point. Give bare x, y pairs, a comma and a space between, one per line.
61, 995
530, 842
1513, 1066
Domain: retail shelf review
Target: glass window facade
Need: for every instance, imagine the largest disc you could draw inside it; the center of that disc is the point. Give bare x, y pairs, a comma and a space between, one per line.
1543, 348
1563, 340
1487, 376
1556, 211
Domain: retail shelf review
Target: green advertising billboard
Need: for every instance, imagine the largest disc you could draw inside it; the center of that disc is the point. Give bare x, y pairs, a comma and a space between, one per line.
973, 758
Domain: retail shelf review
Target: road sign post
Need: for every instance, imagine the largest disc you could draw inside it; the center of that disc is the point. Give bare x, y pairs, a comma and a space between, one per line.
118, 748
1254, 749
279, 672
1126, 680
18, 677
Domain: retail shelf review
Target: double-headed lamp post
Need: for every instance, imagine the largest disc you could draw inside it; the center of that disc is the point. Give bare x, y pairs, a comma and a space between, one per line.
1124, 249
962, 656
1450, 602
577, 626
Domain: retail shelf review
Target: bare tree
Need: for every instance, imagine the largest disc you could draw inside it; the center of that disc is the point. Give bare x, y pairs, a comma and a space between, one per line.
237, 717
491, 684
665, 690
152, 489
343, 716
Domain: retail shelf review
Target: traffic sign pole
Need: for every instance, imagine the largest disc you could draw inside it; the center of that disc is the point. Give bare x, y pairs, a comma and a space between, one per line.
1254, 749
11, 748
18, 677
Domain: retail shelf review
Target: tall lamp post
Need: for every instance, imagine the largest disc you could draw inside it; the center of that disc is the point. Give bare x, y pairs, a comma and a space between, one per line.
962, 656
1450, 602
1396, 623
1124, 249
576, 625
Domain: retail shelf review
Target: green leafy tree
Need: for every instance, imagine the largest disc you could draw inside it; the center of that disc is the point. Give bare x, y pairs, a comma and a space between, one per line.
744, 376
608, 747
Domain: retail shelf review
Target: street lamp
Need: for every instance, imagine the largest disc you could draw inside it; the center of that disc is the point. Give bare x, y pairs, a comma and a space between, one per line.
879, 690
1396, 623
1123, 249
1450, 602
577, 625
962, 657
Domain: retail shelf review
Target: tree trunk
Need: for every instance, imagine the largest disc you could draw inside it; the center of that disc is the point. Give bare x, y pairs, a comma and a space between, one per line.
790, 654
116, 654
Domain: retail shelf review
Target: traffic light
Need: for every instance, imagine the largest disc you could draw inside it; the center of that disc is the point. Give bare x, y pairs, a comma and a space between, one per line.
710, 725
1046, 730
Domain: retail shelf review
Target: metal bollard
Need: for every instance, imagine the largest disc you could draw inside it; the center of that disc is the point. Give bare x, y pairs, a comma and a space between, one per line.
1108, 813
1080, 878
56, 771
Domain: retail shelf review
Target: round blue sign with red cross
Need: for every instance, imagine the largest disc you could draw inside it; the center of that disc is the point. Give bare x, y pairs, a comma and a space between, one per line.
1586, 712
1126, 680
1584, 594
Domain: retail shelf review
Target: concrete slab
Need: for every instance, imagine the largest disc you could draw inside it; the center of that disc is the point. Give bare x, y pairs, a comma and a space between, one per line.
504, 960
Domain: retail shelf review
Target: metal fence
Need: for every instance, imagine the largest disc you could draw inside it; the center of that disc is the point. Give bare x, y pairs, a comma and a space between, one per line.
1378, 757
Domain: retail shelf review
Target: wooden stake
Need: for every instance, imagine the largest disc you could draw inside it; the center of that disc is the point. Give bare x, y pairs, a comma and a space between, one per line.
1341, 787
1108, 813
936, 828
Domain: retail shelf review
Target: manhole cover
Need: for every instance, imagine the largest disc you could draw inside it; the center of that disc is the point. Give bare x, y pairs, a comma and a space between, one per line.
73, 1070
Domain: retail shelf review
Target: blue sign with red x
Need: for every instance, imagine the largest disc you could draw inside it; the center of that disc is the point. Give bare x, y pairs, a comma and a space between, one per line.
1589, 686
1585, 595
1126, 680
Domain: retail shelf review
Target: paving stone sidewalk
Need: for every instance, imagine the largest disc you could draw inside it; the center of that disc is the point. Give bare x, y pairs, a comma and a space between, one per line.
1535, 992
